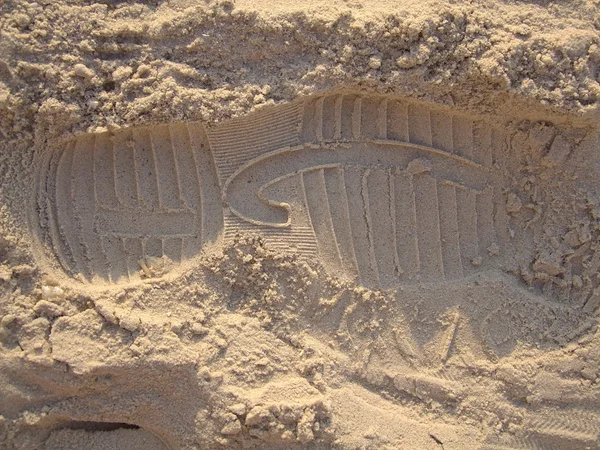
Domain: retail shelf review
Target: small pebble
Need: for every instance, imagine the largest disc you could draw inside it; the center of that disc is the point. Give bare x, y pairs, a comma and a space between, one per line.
129, 323
548, 267
49, 280
143, 71
406, 62
5, 273
48, 309
375, 62
232, 428
122, 73
8, 319
52, 292
82, 71
238, 409
493, 249
513, 204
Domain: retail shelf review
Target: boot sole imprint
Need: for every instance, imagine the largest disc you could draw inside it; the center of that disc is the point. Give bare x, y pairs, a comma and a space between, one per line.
380, 189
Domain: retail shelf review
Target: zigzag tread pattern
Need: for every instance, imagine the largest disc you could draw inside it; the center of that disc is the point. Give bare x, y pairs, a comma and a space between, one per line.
573, 424
568, 430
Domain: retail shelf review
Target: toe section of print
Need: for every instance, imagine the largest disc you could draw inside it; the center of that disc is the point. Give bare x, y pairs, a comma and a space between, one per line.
381, 190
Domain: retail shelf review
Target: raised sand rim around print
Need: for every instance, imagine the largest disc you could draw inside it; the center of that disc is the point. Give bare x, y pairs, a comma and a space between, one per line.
380, 189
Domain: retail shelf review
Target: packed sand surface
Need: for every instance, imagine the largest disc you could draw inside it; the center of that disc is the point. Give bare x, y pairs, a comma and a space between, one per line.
351, 224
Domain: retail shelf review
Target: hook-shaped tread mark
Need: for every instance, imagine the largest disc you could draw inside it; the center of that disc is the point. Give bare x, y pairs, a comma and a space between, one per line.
243, 191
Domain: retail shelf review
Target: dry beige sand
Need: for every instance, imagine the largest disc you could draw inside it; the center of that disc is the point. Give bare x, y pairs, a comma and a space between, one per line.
346, 224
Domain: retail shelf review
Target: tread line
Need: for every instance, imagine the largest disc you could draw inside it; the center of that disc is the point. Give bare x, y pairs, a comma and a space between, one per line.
65, 177
449, 229
393, 220
369, 224
382, 114
53, 224
319, 118
320, 218
337, 198
174, 151
155, 165
406, 240
337, 131
357, 118
428, 228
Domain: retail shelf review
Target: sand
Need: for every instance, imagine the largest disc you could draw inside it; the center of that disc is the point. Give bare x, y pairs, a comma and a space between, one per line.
311, 224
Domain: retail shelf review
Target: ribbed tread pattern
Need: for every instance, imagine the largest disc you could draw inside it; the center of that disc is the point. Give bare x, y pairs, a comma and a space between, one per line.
108, 200
395, 191
381, 190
